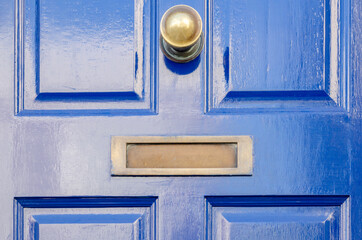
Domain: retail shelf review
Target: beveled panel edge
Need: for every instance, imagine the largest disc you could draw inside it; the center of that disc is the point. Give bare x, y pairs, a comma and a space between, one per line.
340, 105
20, 203
119, 151
19, 74
250, 201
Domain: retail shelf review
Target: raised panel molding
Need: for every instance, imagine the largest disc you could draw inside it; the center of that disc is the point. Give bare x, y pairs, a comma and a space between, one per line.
277, 56
277, 217
84, 217
87, 226
68, 65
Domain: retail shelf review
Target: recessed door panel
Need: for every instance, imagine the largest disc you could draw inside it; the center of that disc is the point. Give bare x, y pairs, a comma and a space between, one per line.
272, 217
276, 55
89, 35
85, 218
85, 57
286, 224
86, 226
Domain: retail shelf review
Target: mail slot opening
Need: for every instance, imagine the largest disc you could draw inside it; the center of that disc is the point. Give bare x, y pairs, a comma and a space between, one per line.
181, 155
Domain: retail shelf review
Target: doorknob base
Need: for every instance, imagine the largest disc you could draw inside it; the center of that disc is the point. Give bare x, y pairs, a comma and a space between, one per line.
183, 56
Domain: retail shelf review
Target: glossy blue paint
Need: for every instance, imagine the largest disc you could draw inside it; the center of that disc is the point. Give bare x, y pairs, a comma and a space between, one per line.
277, 217
113, 44
272, 61
77, 74
62, 218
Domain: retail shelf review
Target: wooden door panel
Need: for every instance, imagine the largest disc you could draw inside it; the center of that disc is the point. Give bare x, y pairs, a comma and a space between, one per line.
85, 57
277, 56
85, 218
277, 217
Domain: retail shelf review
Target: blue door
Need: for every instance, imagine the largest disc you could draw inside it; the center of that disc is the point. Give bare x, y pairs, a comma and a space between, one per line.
104, 137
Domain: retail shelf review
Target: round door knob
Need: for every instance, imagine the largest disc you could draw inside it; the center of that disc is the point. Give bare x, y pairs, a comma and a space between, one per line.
181, 37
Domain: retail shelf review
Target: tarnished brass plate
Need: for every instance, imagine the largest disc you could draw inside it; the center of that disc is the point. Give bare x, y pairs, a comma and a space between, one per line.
186, 155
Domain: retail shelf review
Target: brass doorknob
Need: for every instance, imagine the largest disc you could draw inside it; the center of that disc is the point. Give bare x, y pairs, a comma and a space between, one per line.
181, 37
